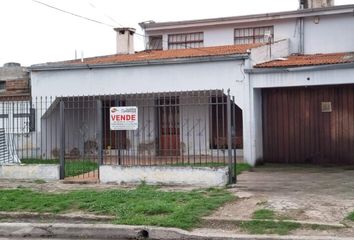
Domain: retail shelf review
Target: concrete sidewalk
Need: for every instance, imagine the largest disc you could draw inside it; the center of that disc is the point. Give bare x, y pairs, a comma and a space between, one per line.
109, 231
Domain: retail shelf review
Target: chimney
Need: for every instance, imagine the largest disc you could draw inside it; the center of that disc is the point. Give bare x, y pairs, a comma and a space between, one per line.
125, 40
304, 4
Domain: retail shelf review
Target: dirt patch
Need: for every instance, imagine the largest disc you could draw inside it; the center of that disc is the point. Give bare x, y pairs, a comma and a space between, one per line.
306, 193
55, 186
230, 231
65, 186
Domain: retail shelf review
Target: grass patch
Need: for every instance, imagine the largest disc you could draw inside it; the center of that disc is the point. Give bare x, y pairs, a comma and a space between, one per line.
77, 167
142, 206
241, 167
351, 216
263, 214
73, 167
269, 227
39, 161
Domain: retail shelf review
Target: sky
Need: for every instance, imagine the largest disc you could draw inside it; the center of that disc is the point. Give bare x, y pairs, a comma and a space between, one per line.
31, 33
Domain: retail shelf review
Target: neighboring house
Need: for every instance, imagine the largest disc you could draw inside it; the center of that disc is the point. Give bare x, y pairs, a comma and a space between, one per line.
258, 57
15, 109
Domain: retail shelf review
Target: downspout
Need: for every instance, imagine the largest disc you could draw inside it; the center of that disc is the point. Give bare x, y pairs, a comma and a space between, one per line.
302, 36
302, 4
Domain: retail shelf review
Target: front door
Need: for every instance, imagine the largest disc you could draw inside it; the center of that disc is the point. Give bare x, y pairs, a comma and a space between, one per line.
169, 126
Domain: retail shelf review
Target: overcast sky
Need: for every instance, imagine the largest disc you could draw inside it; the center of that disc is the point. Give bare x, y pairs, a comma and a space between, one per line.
31, 33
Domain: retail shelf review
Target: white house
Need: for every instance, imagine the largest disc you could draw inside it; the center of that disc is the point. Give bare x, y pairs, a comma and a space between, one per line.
268, 61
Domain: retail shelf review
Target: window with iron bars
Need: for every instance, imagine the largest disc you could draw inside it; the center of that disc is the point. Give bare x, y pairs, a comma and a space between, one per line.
155, 43
185, 40
254, 35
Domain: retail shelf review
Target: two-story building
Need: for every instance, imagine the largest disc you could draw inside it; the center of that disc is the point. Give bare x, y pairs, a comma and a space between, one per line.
291, 75
311, 51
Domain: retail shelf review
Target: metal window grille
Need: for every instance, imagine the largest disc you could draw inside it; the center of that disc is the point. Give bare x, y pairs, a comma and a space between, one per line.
186, 40
253, 35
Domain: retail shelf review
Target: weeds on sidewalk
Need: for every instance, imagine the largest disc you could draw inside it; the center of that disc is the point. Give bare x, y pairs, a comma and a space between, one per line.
267, 214
351, 216
263, 214
144, 205
269, 227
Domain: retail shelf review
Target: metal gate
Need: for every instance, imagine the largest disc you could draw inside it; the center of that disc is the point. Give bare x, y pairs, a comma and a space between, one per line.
80, 141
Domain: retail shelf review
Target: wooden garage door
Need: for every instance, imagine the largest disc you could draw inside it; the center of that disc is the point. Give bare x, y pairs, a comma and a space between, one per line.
309, 125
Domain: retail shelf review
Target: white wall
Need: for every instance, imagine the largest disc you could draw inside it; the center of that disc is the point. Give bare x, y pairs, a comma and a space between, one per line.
224, 34
31, 171
300, 78
191, 176
331, 34
253, 145
270, 52
142, 79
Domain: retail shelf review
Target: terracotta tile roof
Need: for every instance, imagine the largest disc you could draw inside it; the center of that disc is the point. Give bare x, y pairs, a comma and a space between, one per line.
166, 54
309, 60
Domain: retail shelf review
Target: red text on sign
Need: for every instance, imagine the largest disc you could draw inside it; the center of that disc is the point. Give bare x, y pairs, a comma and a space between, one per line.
128, 117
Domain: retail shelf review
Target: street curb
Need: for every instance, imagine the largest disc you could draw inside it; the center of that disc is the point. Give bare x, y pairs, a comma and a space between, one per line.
110, 231
238, 221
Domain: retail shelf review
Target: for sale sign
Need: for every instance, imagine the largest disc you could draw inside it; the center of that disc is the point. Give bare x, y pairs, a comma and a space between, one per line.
124, 118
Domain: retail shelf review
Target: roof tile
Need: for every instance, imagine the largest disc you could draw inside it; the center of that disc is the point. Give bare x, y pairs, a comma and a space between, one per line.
148, 55
309, 60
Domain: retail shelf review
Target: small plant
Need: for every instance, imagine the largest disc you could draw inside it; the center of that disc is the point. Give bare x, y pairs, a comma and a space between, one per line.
351, 216
90, 147
148, 147
142, 183
241, 167
56, 152
183, 147
75, 152
39, 181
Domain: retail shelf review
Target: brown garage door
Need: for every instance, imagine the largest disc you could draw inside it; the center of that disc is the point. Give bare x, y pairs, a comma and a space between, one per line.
309, 125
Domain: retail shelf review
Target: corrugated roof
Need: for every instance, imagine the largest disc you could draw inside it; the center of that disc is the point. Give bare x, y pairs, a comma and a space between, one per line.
149, 55
309, 60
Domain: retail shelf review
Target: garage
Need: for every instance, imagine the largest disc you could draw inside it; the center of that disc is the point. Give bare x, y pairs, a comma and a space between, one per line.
308, 124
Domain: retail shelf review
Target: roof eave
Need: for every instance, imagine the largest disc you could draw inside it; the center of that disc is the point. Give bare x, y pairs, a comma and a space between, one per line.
249, 18
299, 69
230, 57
